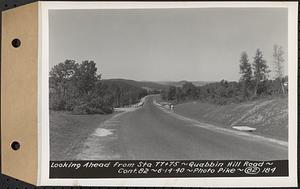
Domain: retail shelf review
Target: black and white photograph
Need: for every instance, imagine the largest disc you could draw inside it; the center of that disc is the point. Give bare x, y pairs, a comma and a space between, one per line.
168, 84
178, 84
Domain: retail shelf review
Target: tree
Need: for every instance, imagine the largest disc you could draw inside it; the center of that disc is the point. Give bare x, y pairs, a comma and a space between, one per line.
179, 94
70, 83
278, 63
61, 78
246, 73
171, 93
260, 69
86, 77
189, 90
64, 70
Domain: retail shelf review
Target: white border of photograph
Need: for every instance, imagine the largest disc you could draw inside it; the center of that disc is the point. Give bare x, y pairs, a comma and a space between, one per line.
43, 105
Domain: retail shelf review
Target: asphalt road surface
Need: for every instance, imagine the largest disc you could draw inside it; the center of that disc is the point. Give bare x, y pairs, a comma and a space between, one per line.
152, 133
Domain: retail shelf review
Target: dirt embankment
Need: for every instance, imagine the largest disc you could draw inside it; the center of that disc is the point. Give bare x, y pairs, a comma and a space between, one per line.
268, 116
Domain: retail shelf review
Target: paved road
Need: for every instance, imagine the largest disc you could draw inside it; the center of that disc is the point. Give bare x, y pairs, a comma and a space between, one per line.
151, 133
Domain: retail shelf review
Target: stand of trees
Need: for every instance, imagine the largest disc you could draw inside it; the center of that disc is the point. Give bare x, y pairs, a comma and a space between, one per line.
254, 78
78, 88
253, 83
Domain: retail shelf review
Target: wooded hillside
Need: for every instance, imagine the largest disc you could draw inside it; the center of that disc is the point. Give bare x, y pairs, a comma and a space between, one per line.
78, 88
254, 83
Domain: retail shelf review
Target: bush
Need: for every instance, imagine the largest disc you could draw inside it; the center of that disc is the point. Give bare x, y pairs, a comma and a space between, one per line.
56, 104
94, 106
81, 109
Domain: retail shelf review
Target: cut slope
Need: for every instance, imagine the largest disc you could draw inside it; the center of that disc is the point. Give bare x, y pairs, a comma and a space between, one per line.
268, 116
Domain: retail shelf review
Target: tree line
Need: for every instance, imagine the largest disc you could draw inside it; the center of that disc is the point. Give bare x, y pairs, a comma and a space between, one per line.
77, 87
254, 83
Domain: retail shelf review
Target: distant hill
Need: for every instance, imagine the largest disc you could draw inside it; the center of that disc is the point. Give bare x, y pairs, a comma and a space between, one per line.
112, 83
148, 85
180, 83
120, 93
158, 85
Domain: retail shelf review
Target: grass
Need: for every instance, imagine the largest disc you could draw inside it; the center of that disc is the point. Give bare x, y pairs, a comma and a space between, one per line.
268, 116
68, 133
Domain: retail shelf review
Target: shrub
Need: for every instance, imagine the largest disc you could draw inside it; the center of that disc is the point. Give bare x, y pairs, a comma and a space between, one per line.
80, 109
57, 104
94, 106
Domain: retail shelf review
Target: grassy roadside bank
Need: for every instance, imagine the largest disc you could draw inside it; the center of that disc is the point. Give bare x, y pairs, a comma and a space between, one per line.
268, 116
68, 133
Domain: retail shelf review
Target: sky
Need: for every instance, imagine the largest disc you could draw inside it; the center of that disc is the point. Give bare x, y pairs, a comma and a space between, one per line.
167, 44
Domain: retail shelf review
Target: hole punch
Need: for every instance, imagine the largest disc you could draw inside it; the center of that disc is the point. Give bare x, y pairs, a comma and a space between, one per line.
16, 43
15, 145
